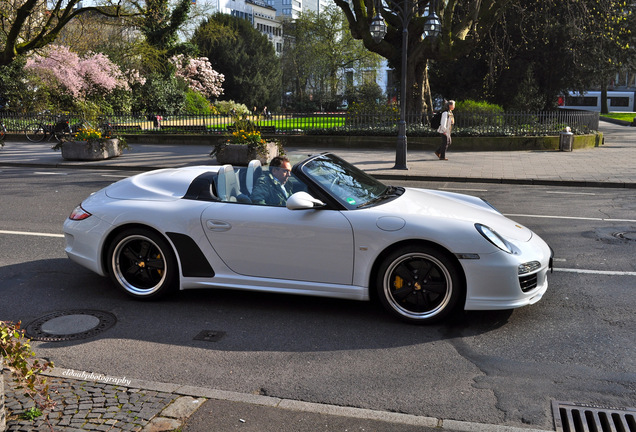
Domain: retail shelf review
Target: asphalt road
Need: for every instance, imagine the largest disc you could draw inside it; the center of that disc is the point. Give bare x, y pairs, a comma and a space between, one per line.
577, 344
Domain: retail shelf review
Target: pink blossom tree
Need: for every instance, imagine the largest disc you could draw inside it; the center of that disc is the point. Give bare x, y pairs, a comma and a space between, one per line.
199, 75
80, 77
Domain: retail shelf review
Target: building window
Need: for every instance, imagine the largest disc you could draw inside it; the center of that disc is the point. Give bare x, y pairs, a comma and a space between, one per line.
619, 101
349, 79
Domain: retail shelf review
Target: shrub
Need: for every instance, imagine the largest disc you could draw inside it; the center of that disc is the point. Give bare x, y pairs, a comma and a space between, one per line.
226, 107
478, 107
196, 103
161, 95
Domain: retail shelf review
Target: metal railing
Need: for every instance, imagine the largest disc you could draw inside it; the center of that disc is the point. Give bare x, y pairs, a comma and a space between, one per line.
467, 123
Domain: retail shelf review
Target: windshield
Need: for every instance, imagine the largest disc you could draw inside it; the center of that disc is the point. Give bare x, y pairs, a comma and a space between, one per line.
351, 186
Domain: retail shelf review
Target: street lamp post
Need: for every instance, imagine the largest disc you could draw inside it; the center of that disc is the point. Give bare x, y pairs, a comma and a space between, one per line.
432, 28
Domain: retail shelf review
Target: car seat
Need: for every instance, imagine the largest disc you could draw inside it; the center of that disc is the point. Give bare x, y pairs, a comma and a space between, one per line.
228, 185
254, 171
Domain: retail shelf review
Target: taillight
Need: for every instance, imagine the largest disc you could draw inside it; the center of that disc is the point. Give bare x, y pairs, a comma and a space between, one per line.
79, 213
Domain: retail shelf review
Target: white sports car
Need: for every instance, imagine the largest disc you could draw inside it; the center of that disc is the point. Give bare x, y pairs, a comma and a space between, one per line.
342, 234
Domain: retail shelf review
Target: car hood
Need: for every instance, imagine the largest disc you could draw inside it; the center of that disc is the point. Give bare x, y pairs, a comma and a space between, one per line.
416, 203
160, 185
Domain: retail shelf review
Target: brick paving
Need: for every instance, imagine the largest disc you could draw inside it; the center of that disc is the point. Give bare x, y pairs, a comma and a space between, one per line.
86, 406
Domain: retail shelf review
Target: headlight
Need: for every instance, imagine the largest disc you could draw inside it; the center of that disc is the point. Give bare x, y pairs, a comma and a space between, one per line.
494, 238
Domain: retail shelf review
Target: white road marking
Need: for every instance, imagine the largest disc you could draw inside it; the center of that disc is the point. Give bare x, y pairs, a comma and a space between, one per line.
570, 218
49, 173
599, 272
570, 193
464, 189
36, 234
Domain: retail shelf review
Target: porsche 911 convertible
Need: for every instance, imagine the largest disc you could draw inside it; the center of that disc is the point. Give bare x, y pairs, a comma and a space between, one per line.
342, 233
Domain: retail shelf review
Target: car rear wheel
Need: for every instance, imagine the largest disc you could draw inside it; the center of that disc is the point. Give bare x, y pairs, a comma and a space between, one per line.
142, 263
418, 284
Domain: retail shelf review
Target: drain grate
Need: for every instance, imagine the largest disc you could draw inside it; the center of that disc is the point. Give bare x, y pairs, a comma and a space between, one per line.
571, 417
69, 325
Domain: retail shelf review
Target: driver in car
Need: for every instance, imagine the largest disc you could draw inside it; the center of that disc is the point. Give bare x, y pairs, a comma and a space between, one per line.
272, 188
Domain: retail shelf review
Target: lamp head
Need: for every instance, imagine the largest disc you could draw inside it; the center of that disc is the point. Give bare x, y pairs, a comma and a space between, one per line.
378, 28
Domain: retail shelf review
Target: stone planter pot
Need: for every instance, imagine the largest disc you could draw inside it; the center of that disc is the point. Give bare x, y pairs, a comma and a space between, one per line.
241, 155
91, 150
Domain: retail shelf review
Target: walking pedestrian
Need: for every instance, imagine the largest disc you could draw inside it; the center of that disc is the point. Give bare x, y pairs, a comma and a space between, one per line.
444, 129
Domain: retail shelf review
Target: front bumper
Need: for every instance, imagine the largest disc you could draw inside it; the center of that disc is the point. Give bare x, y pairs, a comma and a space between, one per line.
493, 281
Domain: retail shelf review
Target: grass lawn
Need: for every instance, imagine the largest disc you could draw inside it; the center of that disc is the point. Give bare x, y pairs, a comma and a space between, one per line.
304, 122
627, 116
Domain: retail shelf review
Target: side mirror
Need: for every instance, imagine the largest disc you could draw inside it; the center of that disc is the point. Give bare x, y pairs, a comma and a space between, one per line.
303, 201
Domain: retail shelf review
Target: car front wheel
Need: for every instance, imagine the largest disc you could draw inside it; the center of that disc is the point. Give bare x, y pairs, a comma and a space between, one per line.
419, 284
142, 263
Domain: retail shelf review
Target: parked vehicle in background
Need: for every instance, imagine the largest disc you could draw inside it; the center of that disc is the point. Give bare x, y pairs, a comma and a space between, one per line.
591, 101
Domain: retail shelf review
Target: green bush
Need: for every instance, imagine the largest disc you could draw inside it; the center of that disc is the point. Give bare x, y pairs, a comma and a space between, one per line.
196, 103
478, 107
226, 107
161, 95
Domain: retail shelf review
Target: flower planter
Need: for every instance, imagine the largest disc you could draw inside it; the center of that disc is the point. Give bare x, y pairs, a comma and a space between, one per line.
91, 150
241, 154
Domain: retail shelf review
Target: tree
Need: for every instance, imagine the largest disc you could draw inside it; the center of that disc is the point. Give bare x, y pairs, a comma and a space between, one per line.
318, 48
160, 26
28, 25
244, 56
539, 50
64, 73
199, 75
464, 24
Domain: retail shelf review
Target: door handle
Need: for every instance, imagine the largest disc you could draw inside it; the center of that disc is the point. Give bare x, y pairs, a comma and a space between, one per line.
217, 225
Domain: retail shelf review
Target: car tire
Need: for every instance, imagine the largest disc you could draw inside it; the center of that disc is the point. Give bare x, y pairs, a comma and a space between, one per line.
143, 264
419, 284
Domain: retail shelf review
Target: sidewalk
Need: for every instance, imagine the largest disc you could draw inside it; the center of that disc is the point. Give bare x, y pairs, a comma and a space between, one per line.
145, 406
611, 165
148, 406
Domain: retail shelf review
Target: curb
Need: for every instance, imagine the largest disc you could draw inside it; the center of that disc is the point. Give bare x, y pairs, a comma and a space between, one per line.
531, 182
309, 407
379, 176
615, 121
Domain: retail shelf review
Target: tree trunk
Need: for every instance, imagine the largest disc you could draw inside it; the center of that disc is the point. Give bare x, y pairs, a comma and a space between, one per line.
604, 107
418, 97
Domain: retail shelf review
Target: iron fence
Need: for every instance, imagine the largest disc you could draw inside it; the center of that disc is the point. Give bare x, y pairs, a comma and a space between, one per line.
467, 123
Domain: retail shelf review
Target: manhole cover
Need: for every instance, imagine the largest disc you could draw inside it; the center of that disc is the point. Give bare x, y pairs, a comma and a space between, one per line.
626, 235
571, 417
70, 325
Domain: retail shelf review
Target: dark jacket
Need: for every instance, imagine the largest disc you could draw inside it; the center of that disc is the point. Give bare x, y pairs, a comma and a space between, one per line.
267, 191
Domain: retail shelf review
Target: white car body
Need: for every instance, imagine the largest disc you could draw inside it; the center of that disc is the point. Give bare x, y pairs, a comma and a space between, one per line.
314, 250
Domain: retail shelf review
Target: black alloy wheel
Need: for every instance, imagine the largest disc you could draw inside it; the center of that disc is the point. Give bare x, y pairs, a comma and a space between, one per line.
143, 264
419, 284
